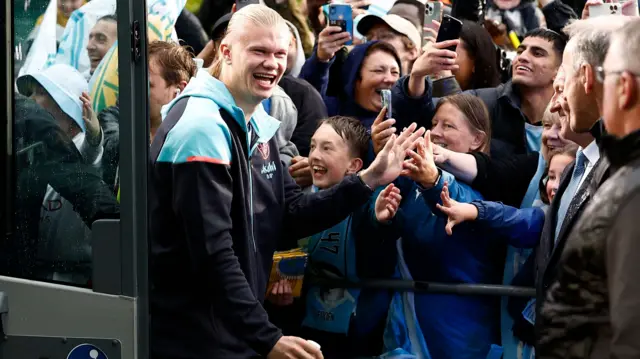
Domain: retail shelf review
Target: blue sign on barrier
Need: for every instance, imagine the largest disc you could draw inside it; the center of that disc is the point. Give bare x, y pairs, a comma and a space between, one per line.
86, 351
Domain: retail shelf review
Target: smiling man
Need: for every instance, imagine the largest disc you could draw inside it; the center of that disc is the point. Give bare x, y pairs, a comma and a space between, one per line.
101, 38
221, 199
516, 107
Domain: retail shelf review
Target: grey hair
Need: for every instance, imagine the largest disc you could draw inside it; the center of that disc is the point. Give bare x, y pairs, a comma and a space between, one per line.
590, 38
628, 38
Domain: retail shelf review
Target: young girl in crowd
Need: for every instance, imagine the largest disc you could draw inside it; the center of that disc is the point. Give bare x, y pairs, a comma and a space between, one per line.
559, 159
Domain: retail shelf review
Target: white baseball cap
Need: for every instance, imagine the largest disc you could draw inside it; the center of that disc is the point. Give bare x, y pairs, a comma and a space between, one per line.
64, 84
395, 22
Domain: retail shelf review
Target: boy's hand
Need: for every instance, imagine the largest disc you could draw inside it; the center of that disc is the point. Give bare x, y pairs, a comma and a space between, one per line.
421, 166
281, 293
381, 131
455, 211
387, 203
301, 171
387, 165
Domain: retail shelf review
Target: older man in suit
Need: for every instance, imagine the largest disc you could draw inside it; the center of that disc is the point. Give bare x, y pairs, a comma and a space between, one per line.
579, 100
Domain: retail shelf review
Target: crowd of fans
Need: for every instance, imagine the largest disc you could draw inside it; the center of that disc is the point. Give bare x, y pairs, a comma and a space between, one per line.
508, 156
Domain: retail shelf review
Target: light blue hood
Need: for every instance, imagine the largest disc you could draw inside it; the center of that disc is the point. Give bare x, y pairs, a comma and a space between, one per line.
203, 85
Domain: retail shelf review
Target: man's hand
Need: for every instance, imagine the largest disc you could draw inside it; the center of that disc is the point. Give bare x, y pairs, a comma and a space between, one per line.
435, 58
381, 131
430, 34
456, 212
281, 294
587, 5
93, 133
630, 8
421, 167
357, 6
387, 203
295, 348
387, 165
330, 40
301, 171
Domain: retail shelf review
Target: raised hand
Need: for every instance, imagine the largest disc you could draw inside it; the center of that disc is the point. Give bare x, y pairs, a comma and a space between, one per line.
630, 8
387, 165
357, 6
430, 33
387, 203
330, 40
93, 133
456, 212
381, 131
435, 59
421, 167
300, 170
587, 5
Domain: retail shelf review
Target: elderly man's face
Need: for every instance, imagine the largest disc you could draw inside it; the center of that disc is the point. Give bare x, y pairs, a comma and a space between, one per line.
582, 100
618, 88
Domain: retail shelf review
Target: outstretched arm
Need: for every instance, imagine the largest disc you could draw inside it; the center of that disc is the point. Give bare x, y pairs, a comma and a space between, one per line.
310, 213
521, 227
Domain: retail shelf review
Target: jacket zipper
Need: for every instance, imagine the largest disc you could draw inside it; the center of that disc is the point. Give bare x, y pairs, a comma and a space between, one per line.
249, 133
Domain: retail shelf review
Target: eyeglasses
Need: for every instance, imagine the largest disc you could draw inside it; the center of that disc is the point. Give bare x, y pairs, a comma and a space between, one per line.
601, 73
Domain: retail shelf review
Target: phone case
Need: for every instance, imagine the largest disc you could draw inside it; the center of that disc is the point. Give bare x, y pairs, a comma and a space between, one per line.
385, 96
433, 11
605, 9
449, 30
341, 15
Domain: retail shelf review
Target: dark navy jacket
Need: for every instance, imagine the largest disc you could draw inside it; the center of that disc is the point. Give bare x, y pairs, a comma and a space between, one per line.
220, 200
317, 74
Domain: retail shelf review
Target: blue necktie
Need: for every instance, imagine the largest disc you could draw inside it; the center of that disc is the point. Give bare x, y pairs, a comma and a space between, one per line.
569, 193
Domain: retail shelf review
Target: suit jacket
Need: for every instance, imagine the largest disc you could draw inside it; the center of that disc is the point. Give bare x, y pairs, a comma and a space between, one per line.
549, 252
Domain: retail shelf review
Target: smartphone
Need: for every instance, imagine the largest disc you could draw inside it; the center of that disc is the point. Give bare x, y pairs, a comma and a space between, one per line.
605, 9
242, 3
449, 30
385, 96
433, 11
341, 15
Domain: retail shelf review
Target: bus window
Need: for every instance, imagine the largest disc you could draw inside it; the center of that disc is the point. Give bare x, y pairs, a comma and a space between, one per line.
65, 137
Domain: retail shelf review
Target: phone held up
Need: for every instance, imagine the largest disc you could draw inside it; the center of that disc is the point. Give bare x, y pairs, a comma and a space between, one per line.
432, 12
385, 96
449, 30
605, 9
341, 15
